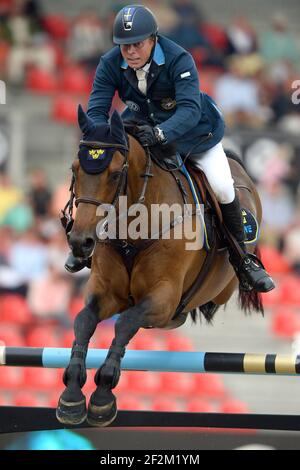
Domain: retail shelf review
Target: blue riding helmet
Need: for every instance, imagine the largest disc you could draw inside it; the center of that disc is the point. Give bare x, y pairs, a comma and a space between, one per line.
134, 23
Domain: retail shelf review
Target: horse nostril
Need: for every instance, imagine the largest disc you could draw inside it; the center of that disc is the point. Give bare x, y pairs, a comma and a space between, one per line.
88, 243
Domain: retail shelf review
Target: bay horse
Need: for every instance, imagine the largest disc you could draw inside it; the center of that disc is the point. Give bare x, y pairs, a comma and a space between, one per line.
148, 290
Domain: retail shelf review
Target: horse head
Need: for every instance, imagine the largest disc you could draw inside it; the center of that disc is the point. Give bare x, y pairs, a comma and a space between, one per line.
99, 177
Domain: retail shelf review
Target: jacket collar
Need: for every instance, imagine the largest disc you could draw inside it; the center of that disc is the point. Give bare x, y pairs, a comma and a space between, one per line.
158, 57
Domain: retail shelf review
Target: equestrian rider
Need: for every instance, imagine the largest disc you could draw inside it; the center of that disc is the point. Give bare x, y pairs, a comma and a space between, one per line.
158, 81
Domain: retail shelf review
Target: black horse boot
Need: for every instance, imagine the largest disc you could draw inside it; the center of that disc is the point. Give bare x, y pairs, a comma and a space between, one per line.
73, 264
249, 269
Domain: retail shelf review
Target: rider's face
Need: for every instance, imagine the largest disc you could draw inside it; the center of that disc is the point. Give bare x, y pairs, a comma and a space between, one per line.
137, 55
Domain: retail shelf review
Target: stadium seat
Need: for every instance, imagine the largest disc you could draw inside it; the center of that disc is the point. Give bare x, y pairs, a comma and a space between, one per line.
74, 79
41, 81
145, 340
11, 335
25, 399
142, 382
179, 343
285, 322
130, 403
11, 378
64, 109
208, 385
165, 404
215, 35
43, 337
272, 298
196, 405
233, 406
273, 260
40, 379
57, 26
290, 290
76, 305
175, 383
14, 310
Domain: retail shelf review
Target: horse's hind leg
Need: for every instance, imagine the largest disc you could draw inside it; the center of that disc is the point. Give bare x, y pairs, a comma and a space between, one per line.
72, 404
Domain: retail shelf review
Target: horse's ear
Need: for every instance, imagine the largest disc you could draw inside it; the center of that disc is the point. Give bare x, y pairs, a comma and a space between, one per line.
117, 128
86, 124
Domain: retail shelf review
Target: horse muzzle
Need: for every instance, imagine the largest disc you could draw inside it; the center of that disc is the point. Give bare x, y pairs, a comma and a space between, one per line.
82, 245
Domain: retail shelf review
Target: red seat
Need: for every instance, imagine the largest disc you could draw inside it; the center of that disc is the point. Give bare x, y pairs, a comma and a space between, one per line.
74, 79
14, 309
285, 322
208, 385
290, 290
179, 343
274, 297
233, 406
11, 336
41, 379
130, 403
64, 109
76, 305
196, 405
43, 337
25, 399
57, 26
11, 378
142, 382
274, 262
145, 340
215, 35
41, 81
165, 404
175, 383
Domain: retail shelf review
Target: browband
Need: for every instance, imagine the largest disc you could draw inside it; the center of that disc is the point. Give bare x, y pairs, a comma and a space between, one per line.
97, 144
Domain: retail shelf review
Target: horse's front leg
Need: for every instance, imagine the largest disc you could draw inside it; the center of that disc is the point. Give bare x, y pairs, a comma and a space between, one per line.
155, 310
72, 404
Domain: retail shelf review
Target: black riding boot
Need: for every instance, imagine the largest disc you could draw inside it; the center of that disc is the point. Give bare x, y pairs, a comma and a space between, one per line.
249, 269
73, 265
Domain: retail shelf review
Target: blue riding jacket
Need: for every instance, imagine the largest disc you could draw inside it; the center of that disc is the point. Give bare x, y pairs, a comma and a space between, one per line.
189, 118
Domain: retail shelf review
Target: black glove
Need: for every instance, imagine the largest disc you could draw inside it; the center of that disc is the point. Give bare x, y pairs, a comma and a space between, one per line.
146, 135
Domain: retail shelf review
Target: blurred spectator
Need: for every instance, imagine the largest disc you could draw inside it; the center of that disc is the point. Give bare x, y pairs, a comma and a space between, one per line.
29, 256
242, 36
20, 217
58, 250
89, 39
188, 12
237, 94
291, 246
278, 210
279, 44
60, 197
10, 195
39, 193
49, 295
166, 16
28, 42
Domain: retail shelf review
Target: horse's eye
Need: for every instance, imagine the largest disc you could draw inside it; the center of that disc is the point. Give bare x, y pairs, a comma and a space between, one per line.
115, 176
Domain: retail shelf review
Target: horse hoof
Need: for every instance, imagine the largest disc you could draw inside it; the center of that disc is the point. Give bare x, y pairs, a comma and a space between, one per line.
71, 413
102, 415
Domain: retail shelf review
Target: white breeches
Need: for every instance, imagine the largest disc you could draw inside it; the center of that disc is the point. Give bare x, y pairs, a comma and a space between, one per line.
216, 168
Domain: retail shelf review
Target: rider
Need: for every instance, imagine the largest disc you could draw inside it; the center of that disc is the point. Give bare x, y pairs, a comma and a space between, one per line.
158, 81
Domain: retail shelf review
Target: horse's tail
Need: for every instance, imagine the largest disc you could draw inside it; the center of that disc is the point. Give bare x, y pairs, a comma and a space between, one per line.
249, 301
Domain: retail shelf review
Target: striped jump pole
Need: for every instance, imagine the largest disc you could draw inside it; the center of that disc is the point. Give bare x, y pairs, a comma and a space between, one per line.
159, 361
